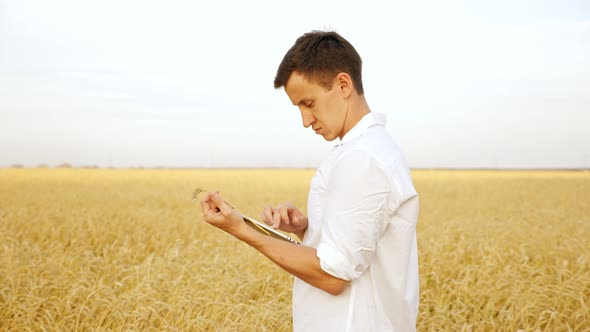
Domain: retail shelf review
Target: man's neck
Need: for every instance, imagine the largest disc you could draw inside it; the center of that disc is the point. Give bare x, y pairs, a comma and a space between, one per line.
358, 108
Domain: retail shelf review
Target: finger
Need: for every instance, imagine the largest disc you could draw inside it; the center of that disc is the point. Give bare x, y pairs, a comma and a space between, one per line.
276, 218
269, 215
263, 213
297, 217
205, 206
296, 220
225, 209
266, 214
206, 197
285, 216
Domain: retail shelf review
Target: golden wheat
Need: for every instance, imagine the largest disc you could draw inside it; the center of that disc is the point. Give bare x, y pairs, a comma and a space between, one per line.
122, 250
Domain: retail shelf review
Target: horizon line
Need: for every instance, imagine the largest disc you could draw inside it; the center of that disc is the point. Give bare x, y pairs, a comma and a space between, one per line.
68, 166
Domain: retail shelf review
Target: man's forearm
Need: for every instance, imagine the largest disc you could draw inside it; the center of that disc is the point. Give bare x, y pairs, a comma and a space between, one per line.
299, 260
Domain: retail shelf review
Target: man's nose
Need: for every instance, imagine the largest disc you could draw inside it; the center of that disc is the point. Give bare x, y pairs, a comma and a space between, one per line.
308, 119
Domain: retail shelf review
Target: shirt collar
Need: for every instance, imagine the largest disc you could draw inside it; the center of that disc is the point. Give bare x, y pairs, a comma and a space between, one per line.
370, 119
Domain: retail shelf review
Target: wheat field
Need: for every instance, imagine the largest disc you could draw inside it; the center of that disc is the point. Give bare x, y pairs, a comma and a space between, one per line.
127, 250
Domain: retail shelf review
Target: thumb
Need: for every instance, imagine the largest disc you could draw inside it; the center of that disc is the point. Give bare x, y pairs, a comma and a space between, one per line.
221, 204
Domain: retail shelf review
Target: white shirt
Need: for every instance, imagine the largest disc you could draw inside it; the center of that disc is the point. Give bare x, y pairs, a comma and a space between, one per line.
362, 213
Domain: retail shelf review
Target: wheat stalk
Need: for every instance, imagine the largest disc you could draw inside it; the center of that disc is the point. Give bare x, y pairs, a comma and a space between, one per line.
200, 190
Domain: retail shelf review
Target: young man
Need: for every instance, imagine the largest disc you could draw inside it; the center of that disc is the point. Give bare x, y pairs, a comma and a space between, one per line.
357, 268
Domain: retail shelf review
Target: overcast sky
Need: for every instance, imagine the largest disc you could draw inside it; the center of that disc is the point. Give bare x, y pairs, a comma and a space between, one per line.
500, 84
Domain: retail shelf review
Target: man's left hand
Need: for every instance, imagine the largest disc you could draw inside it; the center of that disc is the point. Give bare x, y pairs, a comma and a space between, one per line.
219, 214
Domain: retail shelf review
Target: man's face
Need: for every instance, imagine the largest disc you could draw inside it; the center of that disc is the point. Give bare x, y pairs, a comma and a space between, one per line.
325, 111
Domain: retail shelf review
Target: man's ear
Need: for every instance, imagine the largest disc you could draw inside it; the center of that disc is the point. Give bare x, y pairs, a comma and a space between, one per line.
344, 83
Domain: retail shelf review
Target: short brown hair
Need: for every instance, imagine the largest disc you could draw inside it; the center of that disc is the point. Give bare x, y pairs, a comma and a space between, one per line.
320, 56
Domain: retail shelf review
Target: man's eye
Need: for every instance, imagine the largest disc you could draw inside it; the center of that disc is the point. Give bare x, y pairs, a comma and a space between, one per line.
309, 105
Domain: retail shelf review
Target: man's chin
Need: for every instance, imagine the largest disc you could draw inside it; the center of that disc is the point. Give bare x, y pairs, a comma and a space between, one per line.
329, 138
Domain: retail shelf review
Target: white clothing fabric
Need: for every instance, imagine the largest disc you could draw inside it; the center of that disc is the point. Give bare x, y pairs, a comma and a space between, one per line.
362, 213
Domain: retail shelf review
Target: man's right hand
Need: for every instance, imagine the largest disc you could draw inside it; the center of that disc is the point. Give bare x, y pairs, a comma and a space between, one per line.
285, 217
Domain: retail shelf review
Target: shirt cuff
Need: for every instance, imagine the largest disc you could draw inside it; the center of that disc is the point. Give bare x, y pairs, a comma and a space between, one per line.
335, 263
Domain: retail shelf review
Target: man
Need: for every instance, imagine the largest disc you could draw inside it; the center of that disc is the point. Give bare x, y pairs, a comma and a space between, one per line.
357, 267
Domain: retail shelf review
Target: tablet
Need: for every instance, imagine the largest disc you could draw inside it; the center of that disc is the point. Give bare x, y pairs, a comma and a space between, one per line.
267, 230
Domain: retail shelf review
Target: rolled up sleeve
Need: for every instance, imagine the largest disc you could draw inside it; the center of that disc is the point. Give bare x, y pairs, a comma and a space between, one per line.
354, 219
335, 263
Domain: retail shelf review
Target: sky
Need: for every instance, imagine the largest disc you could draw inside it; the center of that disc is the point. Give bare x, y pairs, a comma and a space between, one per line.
464, 84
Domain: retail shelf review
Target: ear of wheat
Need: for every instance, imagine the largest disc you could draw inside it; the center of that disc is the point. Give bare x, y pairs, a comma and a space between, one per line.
200, 190
197, 192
